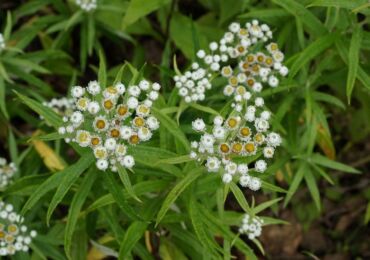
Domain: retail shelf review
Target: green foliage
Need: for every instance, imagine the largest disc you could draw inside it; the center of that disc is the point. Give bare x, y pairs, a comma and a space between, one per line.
82, 213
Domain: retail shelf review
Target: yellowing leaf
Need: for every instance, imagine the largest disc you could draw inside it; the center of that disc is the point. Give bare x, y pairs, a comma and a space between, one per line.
323, 139
51, 159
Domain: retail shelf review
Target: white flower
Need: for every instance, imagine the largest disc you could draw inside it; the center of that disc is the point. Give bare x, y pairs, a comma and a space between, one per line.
231, 167
219, 132
77, 118
110, 144
265, 115
201, 54
132, 102
273, 81
83, 138
254, 184
268, 152
125, 132
93, 88
87, 5
134, 91
234, 27
128, 161
273, 139
77, 91
218, 120
156, 86
213, 164
244, 180
144, 85
260, 166
93, 107
259, 102
213, 46
193, 155
198, 125
243, 168
120, 88
152, 123
14, 233
153, 95
227, 178
144, 134
102, 164
261, 125
207, 140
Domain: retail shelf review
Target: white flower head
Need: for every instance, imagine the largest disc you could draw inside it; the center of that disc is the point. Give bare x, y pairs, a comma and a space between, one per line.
108, 119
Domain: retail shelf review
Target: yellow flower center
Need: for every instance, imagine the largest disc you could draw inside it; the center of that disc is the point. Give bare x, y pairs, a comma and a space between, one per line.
245, 131
249, 147
95, 141
139, 121
237, 147
224, 148
233, 81
108, 104
122, 110
100, 124
134, 139
232, 122
115, 133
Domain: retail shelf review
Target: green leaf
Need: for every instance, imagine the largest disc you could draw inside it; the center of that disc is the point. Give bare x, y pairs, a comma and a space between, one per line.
204, 109
176, 191
8, 26
326, 162
132, 236
272, 187
367, 214
311, 52
68, 179
75, 18
126, 182
169, 250
75, 208
118, 196
338, 3
199, 228
240, 197
50, 116
140, 8
353, 60
295, 183
172, 128
54, 180
175, 160
312, 187
102, 70
3, 98
25, 64
265, 205
139, 189
312, 23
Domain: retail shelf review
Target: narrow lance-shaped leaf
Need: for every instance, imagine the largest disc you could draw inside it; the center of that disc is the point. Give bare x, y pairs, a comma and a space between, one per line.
68, 179
75, 207
353, 60
176, 191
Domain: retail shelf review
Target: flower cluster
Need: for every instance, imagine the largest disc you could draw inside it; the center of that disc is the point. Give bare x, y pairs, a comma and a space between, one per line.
226, 145
14, 235
251, 226
62, 106
107, 120
87, 5
244, 57
2, 43
6, 172
193, 84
